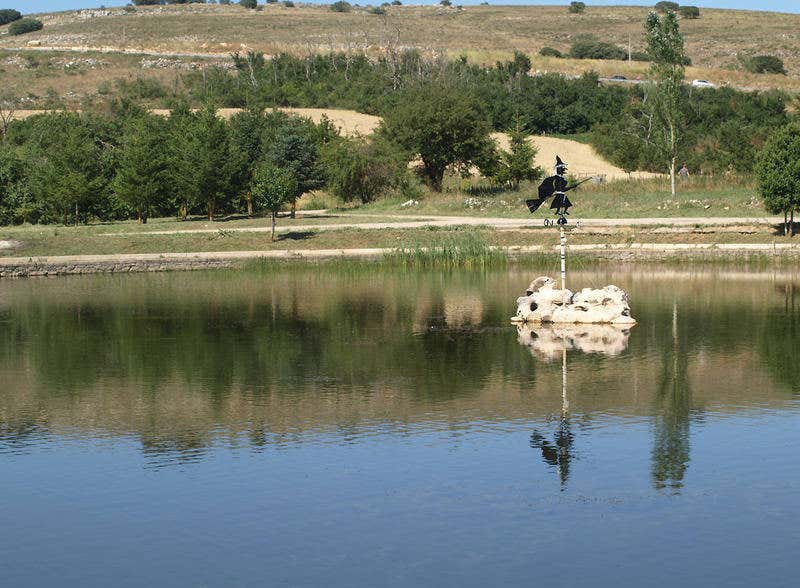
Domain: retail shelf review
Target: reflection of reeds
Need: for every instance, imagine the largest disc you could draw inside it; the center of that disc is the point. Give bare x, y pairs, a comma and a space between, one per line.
464, 249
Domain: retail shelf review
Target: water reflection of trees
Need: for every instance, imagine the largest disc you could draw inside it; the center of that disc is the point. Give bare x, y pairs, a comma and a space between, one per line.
179, 360
671, 444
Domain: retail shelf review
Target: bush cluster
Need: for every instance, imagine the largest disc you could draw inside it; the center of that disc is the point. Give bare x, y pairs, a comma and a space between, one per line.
251, 4
550, 52
687, 12
341, 6
577, 7
8, 15
589, 47
765, 64
25, 25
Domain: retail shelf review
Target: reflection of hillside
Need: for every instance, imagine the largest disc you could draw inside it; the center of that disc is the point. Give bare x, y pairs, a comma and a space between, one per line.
180, 360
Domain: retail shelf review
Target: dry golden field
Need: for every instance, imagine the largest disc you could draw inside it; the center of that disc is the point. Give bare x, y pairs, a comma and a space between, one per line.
191, 36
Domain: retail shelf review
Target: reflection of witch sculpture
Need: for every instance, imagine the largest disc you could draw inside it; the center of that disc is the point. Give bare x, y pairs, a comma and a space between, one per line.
549, 342
558, 453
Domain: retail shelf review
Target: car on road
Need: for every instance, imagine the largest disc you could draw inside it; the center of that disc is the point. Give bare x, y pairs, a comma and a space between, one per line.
702, 84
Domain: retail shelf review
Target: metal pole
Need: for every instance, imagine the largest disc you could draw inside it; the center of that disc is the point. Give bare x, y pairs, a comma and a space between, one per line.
563, 260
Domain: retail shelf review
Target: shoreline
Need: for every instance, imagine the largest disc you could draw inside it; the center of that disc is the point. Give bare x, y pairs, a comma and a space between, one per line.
20, 267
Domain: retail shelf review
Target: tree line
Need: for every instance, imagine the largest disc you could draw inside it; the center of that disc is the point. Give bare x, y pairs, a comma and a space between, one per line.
67, 167
722, 129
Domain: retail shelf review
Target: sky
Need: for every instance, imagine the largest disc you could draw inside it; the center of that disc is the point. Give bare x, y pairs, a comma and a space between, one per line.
28, 6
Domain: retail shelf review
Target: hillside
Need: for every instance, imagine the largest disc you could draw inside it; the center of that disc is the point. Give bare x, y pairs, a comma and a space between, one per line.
161, 41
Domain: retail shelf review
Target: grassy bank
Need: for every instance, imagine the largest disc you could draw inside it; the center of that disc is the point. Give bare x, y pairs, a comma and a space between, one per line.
46, 241
697, 197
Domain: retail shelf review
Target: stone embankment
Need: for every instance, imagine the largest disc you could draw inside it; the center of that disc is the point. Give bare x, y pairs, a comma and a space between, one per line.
30, 266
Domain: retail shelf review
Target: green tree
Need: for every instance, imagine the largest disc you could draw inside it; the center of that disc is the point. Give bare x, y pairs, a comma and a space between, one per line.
517, 164
272, 187
296, 151
665, 6
778, 173
689, 12
443, 125
577, 7
69, 159
666, 49
362, 169
251, 4
8, 15
200, 164
141, 169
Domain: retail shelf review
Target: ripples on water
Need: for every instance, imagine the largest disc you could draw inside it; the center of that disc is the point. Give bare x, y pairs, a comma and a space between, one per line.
309, 427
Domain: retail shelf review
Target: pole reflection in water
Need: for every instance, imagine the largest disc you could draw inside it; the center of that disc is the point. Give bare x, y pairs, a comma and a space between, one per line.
548, 342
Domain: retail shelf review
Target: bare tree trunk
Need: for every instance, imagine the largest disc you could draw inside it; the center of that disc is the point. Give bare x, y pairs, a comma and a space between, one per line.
184, 211
249, 199
785, 223
76, 214
294, 208
791, 224
210, 206
672, 176
273, 225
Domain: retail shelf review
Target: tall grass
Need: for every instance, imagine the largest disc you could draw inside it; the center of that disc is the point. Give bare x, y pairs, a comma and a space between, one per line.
465, 248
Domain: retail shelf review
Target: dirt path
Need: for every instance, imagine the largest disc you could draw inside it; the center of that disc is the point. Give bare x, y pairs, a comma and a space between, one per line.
411, 222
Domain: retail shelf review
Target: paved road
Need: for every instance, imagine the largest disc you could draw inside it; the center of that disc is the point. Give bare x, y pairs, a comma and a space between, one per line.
415, 222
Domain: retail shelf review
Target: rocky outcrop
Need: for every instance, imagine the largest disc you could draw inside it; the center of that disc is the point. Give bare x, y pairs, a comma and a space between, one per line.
544, 303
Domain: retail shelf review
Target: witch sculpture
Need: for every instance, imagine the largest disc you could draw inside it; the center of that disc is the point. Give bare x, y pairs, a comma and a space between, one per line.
543, 302
556, 187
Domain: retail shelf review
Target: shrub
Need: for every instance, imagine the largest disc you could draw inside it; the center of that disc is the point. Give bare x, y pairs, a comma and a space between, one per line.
446, 3
689, 12
550, 52
396, 3
377, 10
146, 2
8, 15
251, 4
577, 7
272, 1
288, 4
640, 56
765, 64
341, 6
591, 48
666, 6
25, 25
362, 169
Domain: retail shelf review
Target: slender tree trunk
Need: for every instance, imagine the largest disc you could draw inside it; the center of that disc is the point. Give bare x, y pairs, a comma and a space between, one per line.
273, 225
672, 176
184, 211
791, 224
785, 223
249, 199
294, 207
76, 214
210, 207
139, 215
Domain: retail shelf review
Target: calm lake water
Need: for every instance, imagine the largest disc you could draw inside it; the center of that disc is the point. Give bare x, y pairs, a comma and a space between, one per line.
380, 428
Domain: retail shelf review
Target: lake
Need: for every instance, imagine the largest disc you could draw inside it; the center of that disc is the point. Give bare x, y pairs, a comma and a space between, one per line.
325, 426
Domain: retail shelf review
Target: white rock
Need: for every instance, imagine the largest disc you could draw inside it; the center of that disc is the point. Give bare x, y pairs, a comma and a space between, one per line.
544, 303
10, 244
